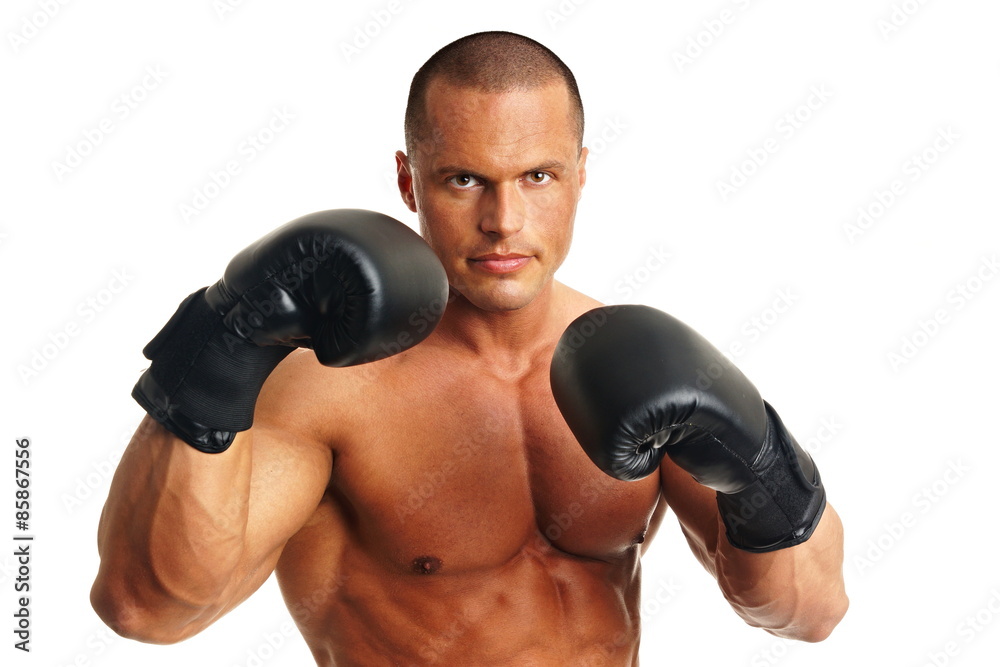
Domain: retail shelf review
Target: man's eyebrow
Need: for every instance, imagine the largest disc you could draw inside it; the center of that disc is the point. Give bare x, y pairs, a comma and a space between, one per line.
453, 169
554, 165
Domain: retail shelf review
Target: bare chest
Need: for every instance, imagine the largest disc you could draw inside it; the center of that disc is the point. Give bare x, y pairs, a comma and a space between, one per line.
463, 472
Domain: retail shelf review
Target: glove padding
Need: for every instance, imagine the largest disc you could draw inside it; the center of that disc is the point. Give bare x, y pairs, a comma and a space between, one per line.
353, 285
634, 383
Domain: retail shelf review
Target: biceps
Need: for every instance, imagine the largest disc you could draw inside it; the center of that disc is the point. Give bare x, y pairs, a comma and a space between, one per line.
695, 507
289, 478
287, 484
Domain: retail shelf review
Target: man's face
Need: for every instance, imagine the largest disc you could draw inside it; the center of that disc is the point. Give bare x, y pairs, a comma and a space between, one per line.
495, 183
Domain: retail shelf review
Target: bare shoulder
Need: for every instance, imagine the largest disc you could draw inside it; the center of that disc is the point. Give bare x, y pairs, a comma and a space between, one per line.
573, 302
297, 397
306, 400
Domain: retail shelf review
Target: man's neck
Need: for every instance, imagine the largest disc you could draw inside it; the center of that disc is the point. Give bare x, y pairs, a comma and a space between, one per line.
508, 340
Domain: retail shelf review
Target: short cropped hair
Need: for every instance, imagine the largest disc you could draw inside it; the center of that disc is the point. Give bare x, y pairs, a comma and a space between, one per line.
491, 62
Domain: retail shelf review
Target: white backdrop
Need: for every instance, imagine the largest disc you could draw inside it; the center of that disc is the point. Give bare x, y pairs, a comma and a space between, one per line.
810, 185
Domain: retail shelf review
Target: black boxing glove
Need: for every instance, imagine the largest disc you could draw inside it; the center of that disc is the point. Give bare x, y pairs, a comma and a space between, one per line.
353, 285
634, 383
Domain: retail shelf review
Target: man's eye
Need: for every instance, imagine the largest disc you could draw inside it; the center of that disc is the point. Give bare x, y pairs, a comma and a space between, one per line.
463, 181
539, 177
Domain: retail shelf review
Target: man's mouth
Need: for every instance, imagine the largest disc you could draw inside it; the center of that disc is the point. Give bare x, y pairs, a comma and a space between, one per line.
500, 263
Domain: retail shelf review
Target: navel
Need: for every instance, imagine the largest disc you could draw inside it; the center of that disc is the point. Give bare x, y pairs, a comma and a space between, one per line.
425, 564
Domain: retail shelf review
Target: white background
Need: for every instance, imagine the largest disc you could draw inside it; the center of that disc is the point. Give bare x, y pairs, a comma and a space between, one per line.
665, 133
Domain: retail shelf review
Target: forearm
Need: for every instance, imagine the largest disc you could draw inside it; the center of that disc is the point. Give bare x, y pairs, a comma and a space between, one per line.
171, 534
750, 500
178, 544
795, 593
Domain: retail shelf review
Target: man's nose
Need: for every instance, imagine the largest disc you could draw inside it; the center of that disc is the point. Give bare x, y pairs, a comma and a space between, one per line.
504, 211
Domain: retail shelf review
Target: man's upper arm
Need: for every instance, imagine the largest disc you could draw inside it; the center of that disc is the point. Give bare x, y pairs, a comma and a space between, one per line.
291, 470
795, 593
696, 510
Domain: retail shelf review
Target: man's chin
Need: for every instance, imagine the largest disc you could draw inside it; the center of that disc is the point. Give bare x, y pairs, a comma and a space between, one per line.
500, 293
498, 300
498, 305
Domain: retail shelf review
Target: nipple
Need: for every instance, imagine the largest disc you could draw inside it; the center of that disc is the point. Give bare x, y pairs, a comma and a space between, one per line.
426, 564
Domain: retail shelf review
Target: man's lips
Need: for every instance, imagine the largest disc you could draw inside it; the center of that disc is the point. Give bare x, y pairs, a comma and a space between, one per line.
498, 263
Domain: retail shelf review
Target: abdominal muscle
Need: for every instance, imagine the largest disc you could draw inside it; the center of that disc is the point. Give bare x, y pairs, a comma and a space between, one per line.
478, 533
542, 606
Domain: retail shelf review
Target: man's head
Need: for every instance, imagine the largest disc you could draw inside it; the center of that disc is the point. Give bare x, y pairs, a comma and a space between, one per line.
494, 164
491, 62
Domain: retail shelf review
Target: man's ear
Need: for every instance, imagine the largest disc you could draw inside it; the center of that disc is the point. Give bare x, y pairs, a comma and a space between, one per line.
404, 179
581, 167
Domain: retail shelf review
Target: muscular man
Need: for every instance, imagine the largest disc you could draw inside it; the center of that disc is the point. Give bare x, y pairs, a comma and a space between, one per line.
434, 506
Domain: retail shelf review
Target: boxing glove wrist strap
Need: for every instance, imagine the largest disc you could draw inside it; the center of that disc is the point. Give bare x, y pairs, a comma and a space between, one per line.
203, 381
783, 506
